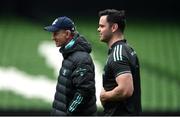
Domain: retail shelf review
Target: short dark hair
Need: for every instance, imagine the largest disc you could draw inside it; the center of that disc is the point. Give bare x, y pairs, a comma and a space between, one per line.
115, 16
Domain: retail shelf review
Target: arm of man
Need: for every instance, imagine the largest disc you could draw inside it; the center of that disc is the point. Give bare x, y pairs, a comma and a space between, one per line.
124, 89
83, 80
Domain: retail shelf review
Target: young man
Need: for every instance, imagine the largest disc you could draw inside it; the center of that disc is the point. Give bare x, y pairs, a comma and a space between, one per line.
75, 90
121, 93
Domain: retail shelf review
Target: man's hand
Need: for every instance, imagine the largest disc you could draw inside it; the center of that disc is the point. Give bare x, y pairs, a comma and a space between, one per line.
102, 96
124, 89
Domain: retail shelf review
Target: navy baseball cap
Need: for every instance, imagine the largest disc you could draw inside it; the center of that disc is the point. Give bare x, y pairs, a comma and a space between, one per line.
61, 23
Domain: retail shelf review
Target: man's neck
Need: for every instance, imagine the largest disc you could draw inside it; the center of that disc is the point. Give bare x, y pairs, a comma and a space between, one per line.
69, 39
114, 39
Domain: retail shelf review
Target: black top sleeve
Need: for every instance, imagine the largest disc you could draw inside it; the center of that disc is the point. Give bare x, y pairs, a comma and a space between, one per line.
120, 67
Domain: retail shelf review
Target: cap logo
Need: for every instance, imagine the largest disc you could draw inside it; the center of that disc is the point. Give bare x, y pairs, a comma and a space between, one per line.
73, 28
54, 22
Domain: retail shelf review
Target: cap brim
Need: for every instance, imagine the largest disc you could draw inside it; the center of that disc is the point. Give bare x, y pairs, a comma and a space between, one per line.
51, 28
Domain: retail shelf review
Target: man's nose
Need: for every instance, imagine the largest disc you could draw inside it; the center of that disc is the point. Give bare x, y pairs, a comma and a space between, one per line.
98, 29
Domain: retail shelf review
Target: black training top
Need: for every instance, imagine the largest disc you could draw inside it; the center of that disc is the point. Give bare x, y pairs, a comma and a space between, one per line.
122, 59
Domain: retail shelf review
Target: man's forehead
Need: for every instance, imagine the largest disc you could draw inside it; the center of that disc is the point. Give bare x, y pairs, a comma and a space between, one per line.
103, 19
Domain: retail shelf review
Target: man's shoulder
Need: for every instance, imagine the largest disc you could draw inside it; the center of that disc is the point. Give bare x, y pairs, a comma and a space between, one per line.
123, 45
79, 56
122, 48
118, 51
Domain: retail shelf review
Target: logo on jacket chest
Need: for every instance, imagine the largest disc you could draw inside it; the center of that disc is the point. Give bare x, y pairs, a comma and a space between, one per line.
64, 72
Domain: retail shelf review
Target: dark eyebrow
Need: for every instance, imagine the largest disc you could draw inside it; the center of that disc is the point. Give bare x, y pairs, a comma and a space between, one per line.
101, 25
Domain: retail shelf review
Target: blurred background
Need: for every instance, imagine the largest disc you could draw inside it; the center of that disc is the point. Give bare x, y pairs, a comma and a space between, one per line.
29, 60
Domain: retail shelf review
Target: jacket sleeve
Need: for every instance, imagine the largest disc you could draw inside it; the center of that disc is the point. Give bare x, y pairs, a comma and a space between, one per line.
83, 81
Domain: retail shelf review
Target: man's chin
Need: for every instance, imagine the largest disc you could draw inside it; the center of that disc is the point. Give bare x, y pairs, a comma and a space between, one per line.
103, 40
57, 45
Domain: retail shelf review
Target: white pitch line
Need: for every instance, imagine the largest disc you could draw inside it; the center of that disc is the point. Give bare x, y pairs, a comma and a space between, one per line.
27, 85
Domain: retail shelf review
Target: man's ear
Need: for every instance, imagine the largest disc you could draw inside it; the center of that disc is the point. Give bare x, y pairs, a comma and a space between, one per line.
114, 27
68, 33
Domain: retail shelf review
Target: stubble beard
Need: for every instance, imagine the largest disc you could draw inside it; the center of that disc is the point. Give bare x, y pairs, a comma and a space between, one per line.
106, 38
